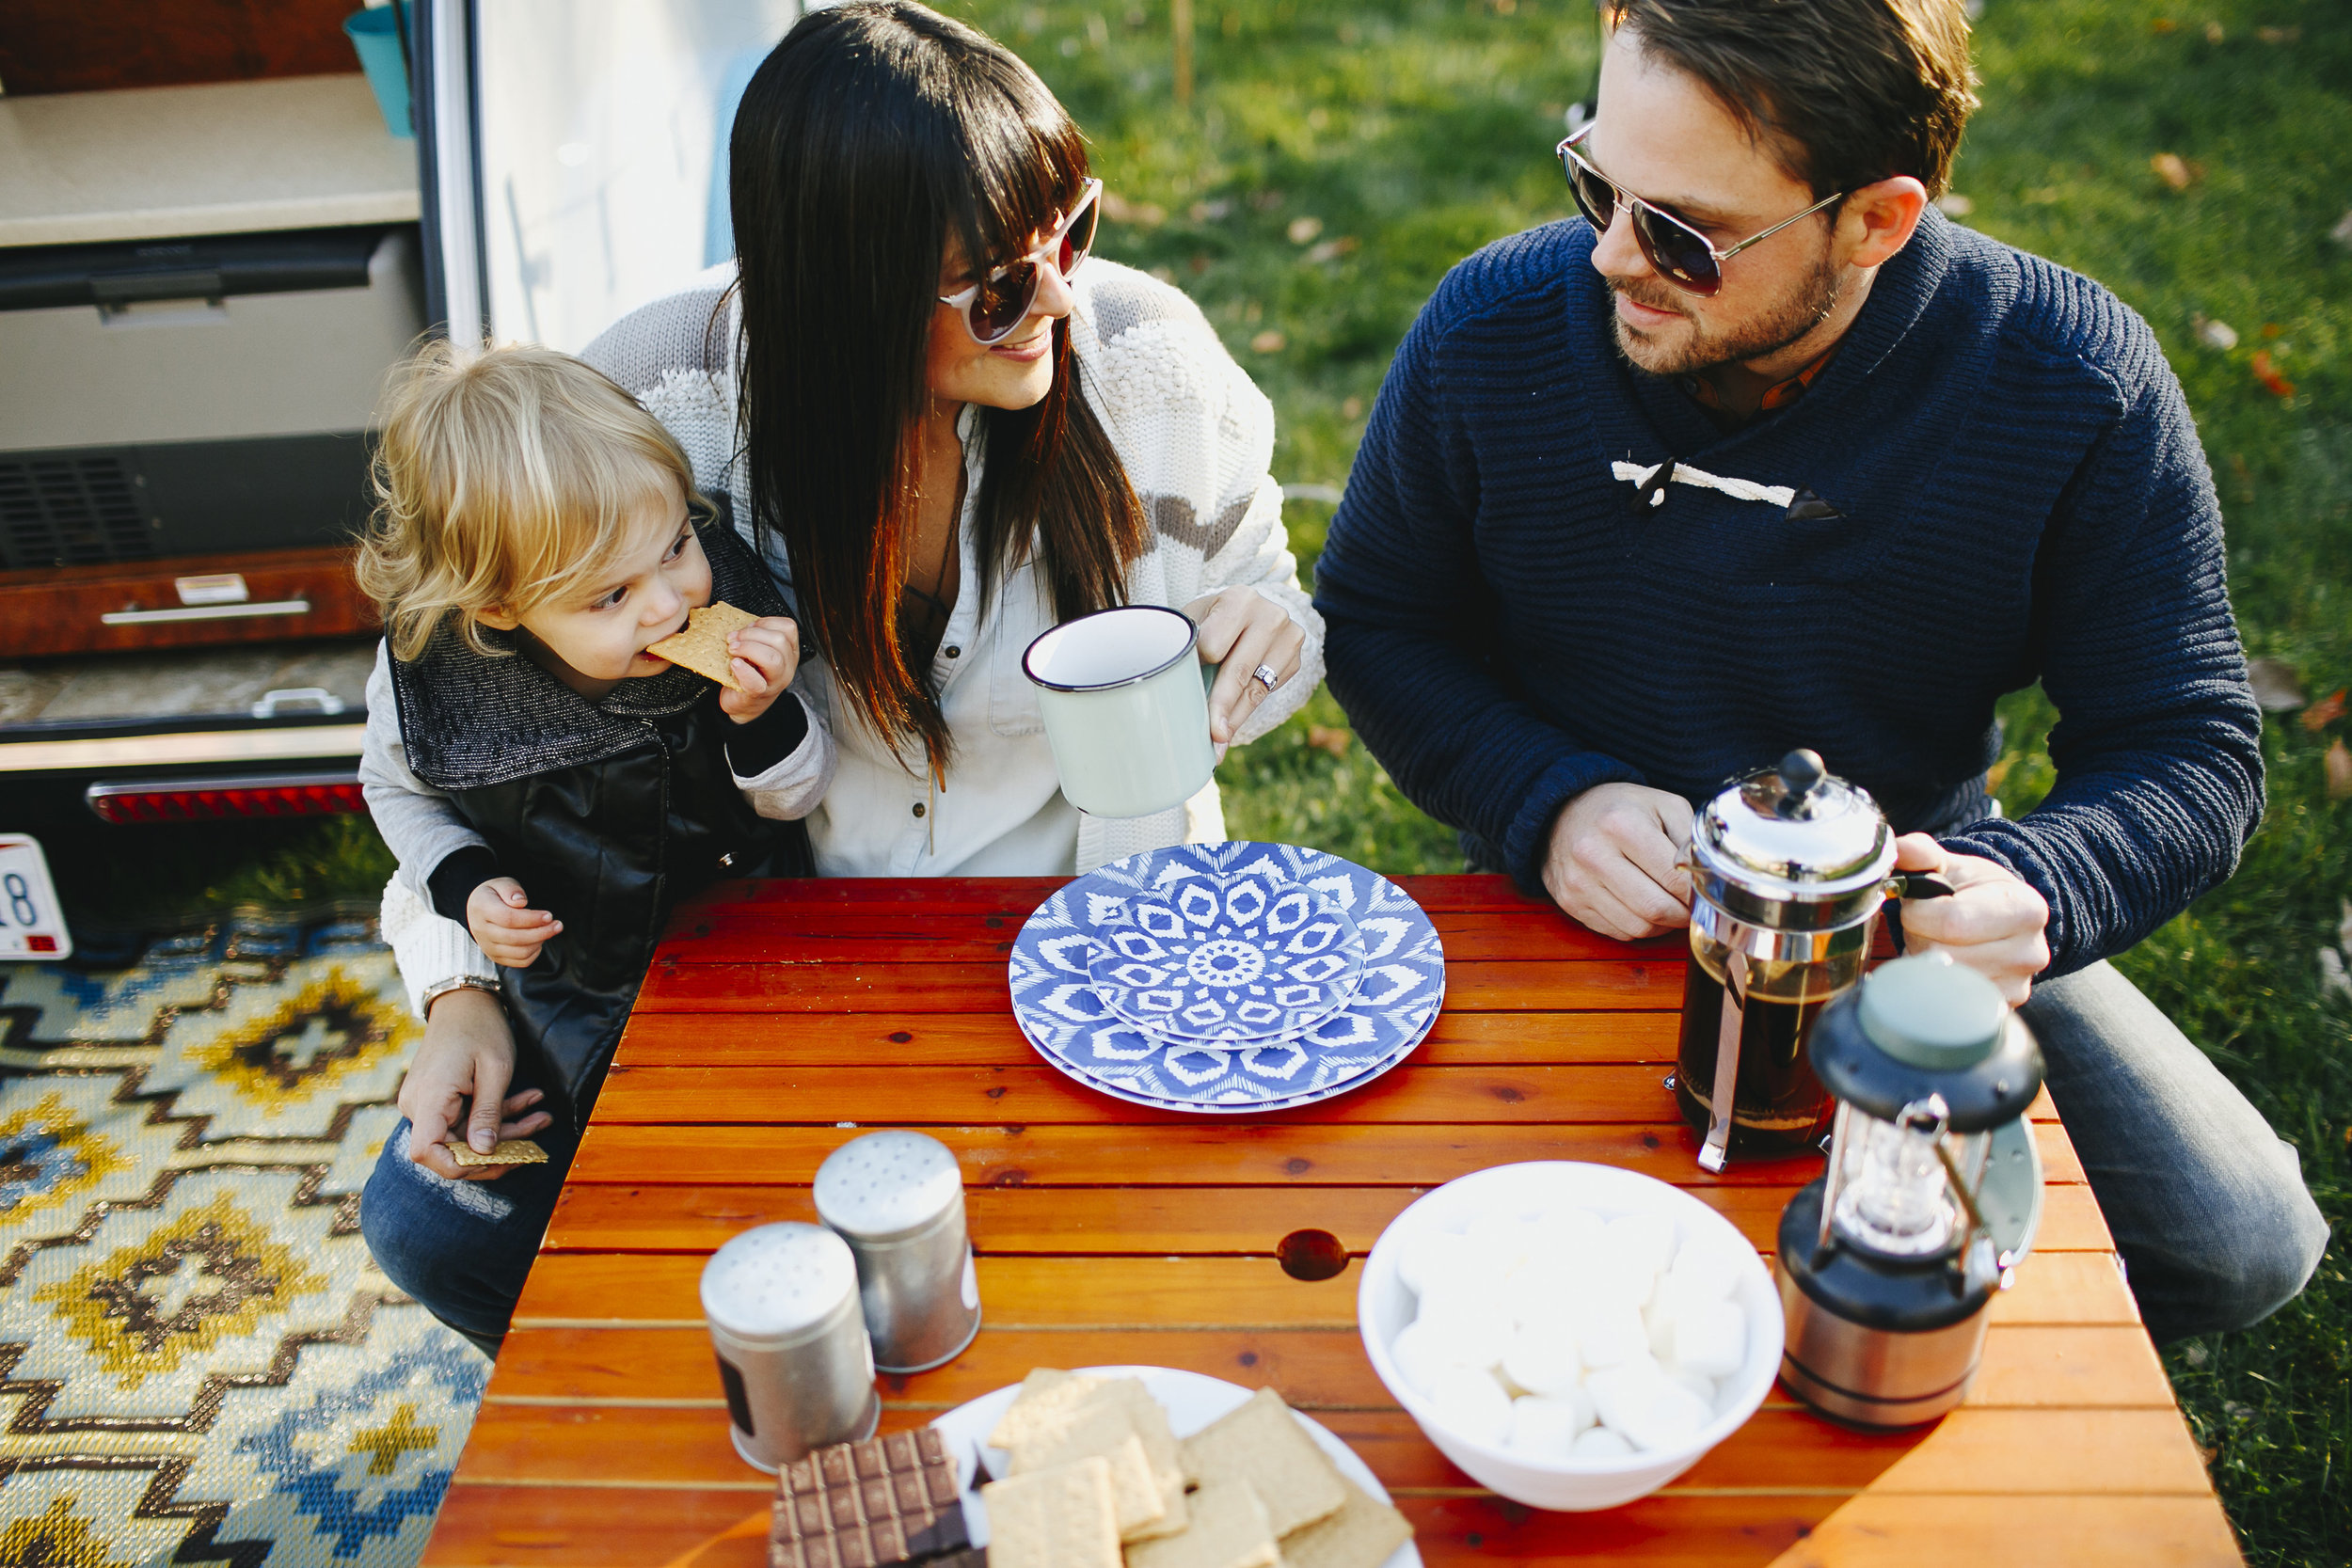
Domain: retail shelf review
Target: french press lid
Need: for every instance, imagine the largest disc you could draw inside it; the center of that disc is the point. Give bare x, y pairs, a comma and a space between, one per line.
1793, 847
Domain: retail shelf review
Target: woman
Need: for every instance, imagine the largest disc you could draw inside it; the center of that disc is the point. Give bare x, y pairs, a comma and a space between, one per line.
947, 430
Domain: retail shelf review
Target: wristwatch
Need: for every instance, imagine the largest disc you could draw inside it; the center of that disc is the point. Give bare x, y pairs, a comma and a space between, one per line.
463, 982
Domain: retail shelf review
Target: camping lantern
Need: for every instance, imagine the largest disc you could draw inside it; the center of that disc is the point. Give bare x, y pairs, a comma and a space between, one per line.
1933, 1191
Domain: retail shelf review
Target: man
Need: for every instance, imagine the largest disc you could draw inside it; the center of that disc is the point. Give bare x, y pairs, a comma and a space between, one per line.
1765, 454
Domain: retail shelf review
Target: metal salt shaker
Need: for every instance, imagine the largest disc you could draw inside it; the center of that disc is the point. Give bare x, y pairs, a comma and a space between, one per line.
898, 1198
782, 1302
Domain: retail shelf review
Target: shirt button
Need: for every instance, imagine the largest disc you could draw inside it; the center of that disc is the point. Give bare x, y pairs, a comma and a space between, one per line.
952, 651
918, 808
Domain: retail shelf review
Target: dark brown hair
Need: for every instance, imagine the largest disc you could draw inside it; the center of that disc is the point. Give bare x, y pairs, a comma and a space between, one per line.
871, 134
1847, 92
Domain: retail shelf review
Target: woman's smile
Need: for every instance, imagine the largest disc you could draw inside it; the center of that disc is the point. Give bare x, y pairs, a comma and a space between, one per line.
1029, 350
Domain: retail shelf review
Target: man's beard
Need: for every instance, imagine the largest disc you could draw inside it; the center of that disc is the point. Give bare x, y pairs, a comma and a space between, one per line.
1803, 308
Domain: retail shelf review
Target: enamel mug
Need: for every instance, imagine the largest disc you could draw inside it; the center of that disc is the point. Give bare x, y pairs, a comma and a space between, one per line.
1126, 709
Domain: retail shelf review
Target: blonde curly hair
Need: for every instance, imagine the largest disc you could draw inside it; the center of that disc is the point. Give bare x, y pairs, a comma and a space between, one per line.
505, 479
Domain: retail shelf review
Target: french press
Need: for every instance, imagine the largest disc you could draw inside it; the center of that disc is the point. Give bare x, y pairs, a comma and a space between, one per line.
1788, 868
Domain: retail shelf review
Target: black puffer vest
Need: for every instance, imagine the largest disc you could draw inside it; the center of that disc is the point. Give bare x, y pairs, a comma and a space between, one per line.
607, 813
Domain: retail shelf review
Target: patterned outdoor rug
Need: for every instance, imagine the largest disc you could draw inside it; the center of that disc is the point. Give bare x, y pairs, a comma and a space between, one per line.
198, 1361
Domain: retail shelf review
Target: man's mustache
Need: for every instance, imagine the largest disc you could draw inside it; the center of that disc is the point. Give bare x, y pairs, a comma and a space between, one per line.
1666, 301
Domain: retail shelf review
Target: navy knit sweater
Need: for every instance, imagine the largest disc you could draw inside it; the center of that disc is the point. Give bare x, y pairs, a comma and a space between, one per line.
2014, 492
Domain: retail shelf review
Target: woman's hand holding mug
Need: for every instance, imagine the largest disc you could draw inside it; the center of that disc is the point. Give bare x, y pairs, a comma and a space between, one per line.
1242, 631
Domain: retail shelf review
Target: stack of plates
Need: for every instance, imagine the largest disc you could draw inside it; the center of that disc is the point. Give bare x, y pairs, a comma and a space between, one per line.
1228, 977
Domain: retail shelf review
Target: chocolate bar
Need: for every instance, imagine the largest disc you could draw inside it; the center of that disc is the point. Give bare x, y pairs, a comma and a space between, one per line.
888, 1500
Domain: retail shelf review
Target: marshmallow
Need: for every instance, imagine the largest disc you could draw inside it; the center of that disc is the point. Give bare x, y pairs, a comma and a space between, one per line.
1599, 1443
1547, 1427
1712, 1340
1543, 1361
1473, 1405
1470, 1329
1611, 1334
1429, 1256
1421, 1357
1647, 1407
1535, 1292
1699, 1383
1707, 1267
1640, 1245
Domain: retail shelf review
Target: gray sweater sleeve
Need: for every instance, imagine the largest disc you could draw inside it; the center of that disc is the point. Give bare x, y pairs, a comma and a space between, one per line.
419, 823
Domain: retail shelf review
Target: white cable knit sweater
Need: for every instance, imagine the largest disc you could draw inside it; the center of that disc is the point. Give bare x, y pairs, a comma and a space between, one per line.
1196, 438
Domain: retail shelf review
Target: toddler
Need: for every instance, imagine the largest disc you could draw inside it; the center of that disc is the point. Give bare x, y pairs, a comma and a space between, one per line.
544, 780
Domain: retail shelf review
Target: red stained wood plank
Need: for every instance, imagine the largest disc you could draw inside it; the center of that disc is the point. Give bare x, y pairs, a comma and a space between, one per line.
1040, 1096
1176, 1292
792, 933
992, 1039
671, 987
1874, 1532
1149, 1221
1232, 1153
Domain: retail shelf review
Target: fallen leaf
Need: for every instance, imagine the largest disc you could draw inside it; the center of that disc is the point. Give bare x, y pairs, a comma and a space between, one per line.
2214, 33
2173, 171
1351, 410
1331, 251
1269, 341
2268, 374
2163, 25
1303, 230
2344, 926
2277, 687
2341, 232
2279, 35
2339, 763
1210, 212
2272, 329
1954, 205
1323, 737
2323, 712
2214, 335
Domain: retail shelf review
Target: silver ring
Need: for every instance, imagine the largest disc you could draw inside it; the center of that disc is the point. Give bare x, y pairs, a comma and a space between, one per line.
1264, 675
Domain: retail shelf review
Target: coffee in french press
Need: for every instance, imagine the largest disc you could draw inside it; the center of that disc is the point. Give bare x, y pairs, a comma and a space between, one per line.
1788, 868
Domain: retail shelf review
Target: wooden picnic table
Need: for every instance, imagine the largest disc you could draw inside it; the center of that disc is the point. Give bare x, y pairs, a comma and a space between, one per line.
781, 1017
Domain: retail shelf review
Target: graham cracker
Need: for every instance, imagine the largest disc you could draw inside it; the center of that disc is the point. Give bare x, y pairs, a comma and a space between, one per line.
1361, 1535
702, 647
1048, 1397
507, 1151
1105, 1430
1262, 1445
1230, 1529
1056, 1518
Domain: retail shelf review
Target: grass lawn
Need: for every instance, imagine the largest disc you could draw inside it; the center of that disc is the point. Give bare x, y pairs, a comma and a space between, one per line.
1337, 158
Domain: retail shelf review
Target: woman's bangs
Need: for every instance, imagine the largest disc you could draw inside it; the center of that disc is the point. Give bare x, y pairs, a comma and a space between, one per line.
1026, 162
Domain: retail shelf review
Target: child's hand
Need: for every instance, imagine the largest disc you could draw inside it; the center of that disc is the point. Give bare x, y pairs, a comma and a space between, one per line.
767, 655
504, 927
468, 1056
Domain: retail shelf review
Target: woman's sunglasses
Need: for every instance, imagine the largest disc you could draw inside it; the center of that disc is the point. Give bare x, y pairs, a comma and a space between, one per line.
1679, 252
1000, 302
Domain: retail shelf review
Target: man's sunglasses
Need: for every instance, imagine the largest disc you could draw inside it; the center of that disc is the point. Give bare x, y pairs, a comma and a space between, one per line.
1679, 252
1000, 302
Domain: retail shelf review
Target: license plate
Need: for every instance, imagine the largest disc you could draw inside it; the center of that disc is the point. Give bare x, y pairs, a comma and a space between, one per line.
31, 924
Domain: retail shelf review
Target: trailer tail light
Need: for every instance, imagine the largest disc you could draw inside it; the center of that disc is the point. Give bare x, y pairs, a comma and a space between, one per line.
210, 799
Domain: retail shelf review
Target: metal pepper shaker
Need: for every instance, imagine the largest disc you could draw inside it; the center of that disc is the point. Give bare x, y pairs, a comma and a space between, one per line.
782, 1302
897, 1198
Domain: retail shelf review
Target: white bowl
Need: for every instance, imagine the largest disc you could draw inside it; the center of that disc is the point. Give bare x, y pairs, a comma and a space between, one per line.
1383, 1304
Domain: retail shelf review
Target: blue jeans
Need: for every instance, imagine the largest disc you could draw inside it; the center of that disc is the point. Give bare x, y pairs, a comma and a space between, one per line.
462, 1248
2206, 1203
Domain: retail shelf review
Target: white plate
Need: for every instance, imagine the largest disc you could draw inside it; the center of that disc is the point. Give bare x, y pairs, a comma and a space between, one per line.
1192, 1400
32, 926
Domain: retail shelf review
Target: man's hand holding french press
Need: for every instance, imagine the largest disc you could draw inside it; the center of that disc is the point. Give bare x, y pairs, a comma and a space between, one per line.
1615, 861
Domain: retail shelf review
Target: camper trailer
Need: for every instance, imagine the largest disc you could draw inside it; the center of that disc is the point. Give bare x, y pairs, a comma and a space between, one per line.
218, 235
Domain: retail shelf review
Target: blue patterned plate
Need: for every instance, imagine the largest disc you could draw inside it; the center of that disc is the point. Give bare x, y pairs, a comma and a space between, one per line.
1228, 959
1398, 990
